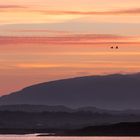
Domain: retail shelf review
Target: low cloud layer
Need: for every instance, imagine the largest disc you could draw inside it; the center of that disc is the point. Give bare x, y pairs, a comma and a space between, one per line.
109, 12
70, 39
129, 11
11, 6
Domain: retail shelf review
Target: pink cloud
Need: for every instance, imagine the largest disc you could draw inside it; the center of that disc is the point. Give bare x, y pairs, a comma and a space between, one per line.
39, 30
69, 39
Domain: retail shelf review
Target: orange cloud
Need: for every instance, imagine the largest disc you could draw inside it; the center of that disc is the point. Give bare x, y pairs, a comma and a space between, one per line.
131, 11
11, 6
85, 65
39, 30
38, 65
110, 12
71, 39
97, 53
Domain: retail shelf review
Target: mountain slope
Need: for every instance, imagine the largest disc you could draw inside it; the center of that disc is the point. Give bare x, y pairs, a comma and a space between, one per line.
110, 91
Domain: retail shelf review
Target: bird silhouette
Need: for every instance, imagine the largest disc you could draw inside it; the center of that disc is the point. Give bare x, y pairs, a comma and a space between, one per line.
114, 47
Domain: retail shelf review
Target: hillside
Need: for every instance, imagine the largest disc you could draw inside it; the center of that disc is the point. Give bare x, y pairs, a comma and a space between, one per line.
110, 91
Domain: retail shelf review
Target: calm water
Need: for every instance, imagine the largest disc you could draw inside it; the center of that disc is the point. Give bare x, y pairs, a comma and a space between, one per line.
33, 137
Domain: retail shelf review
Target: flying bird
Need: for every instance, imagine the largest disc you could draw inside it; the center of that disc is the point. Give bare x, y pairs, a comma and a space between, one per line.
114, 47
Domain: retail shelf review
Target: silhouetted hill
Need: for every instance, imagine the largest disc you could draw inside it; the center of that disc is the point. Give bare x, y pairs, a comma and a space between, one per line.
59, 120
35, 108
46, 108
111, 91
59, 108
68, 123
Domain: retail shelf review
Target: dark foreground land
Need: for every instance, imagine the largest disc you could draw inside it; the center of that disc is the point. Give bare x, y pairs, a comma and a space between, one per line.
120, 129
28, 111
71, 123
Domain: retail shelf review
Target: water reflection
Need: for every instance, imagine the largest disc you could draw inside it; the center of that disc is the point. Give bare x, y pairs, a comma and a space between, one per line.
34, 137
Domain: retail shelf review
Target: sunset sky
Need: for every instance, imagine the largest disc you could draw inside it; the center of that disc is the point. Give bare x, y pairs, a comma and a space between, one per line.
43, 40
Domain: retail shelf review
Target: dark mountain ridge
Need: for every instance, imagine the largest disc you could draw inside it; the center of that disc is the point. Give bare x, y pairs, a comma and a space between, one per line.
116, 91
63, 109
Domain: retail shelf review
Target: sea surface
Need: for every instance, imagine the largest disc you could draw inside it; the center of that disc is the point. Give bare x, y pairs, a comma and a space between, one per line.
34, 137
